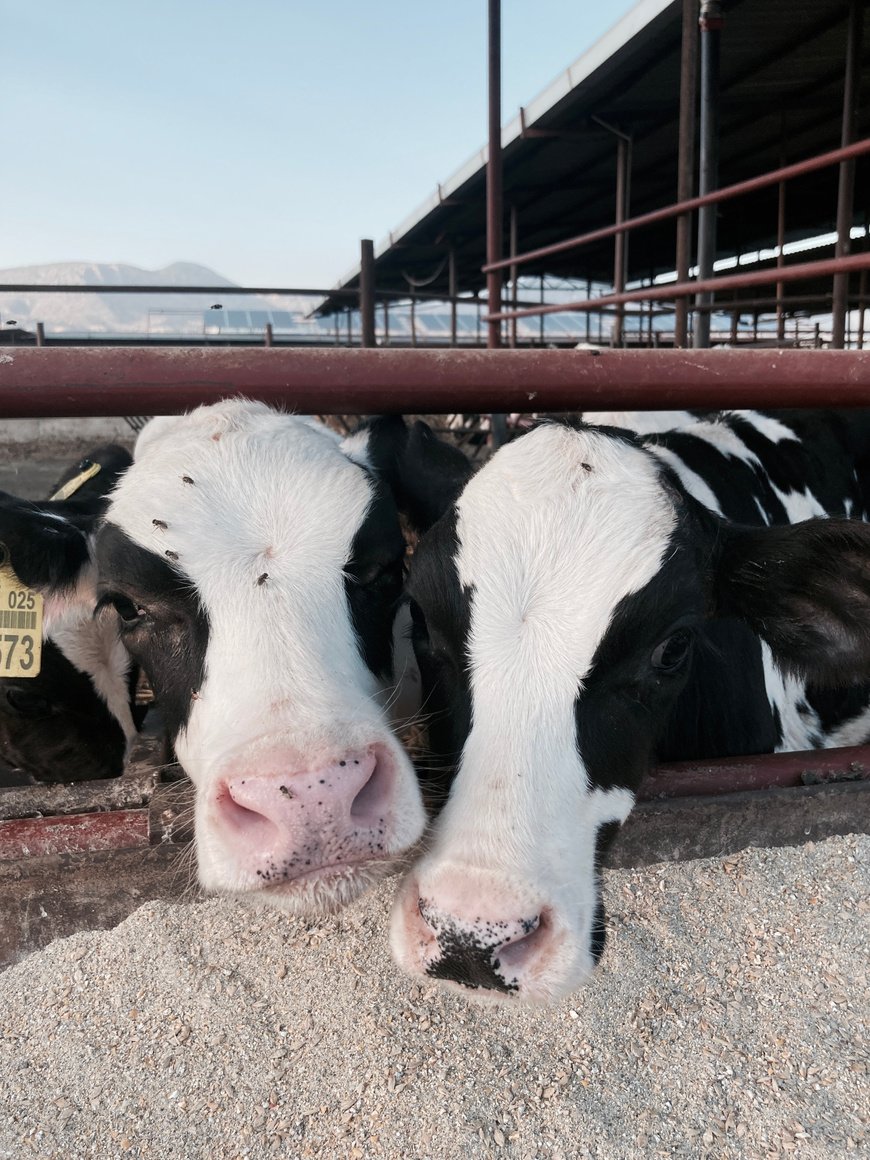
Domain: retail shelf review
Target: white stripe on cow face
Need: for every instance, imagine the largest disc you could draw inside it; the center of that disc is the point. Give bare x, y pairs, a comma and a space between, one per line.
553, 533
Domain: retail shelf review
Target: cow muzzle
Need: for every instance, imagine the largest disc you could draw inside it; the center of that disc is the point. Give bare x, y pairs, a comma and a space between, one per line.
491, 941
292, 830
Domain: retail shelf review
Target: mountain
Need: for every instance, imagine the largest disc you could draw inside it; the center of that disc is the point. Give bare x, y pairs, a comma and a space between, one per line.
125, 313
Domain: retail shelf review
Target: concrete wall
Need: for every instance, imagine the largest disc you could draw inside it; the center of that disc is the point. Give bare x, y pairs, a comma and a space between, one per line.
52, 434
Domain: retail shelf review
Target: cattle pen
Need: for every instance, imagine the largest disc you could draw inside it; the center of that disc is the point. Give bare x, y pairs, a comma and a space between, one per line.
99, 849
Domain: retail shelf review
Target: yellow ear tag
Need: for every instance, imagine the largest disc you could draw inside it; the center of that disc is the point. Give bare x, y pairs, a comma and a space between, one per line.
76, 482
20, 626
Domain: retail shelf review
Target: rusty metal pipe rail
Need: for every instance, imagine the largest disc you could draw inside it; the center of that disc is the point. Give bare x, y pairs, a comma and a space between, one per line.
46, 382
797, 169
723, 775
819, 269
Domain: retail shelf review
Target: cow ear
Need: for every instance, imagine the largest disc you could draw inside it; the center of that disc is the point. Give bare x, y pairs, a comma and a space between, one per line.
46, 544
804, 589
425, 474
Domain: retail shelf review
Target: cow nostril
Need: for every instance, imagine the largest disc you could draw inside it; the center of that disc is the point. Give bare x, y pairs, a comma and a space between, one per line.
372, 798
252, 823
518, 952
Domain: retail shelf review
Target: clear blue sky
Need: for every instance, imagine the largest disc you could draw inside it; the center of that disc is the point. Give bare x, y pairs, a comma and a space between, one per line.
263, 139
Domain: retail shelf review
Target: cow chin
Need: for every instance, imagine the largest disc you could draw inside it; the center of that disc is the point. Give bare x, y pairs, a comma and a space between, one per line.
323, 892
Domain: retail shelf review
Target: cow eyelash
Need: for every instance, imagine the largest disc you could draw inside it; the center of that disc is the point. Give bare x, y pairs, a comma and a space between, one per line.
381, 576
130, 613
673, 652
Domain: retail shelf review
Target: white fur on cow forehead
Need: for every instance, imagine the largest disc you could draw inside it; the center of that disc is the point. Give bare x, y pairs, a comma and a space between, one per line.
555, 530
238, 483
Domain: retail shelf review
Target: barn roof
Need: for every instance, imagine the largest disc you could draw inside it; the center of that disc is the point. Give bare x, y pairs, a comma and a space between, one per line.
782, 68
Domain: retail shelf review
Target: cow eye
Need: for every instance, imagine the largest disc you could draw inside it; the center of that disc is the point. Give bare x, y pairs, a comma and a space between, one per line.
673, 652
382, 577
130, 613
27, 703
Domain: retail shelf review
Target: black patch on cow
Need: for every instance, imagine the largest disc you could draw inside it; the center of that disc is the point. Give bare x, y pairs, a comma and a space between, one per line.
373, 579
837, 706
465, 958
441, 617
113, 460
723, 710
55, 727
805, 589
171, 639
46, 543
425, 474
625, 701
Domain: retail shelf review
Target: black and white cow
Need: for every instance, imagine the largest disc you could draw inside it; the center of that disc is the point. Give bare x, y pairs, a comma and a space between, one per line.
593, 600
251, 563
77, 718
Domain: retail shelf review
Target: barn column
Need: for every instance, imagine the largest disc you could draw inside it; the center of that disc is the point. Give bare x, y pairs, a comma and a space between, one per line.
846, 188
711, 23
452, 292
367, 291
686, 161
513, 273
494, 224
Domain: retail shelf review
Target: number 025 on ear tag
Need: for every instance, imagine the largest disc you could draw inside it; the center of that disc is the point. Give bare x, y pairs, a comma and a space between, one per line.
20, 627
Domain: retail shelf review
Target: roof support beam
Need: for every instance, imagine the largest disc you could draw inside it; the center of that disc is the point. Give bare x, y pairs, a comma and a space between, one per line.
686, 161
846, 189
711, 23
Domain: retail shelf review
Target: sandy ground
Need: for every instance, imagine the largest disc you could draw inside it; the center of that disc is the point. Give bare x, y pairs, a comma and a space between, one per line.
728, 1019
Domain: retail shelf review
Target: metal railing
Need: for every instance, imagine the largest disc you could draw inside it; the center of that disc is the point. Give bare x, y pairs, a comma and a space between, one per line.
680, 290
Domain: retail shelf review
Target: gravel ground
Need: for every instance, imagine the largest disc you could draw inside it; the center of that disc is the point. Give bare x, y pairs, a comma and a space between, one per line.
728, 1019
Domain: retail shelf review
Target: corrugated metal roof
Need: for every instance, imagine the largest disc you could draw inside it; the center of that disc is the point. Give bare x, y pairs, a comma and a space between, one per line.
782, 72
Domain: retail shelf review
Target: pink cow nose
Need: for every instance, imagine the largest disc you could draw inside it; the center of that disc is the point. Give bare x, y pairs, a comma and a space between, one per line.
282, 825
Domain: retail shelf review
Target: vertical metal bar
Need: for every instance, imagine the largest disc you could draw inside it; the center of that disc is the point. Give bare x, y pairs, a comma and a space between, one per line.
846, 188
350, 326
862, 300
494, 222
780, 261
711, 22
269, 335
386, 322
452, 291
413, 321
735, 319
513, 274
40, 334
541, 319
622, 156
367, 291
588, 315
494, 225
686, 161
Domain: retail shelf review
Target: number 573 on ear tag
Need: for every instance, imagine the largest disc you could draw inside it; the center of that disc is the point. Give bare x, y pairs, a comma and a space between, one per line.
20, 627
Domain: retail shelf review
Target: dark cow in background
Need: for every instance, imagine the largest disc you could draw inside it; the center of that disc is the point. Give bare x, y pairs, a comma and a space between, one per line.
591, 601
252, 564
77, 718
